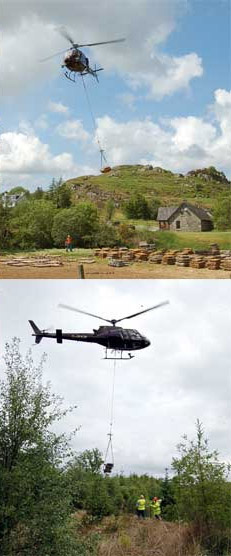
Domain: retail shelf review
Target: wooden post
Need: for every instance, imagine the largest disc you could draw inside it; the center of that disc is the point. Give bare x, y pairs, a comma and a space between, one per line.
81, 271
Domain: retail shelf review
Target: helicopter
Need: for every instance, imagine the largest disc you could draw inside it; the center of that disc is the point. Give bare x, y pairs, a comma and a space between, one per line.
75, 60
111, 337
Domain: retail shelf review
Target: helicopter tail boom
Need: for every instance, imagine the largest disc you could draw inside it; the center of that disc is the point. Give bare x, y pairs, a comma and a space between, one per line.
38, 333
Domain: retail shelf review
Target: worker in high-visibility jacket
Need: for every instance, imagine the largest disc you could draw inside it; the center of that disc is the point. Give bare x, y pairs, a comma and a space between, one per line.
155, 508
140, 507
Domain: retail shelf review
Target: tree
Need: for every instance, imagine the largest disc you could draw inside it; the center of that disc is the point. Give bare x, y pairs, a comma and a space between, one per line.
137, 207
90, 460
5, 233
154, 205
80, 221
31, 224
59, 193
107, 235
222, 213
201, 491
35, 502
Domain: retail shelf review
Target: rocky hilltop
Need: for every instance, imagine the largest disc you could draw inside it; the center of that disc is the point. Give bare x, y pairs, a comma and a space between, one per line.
201, 186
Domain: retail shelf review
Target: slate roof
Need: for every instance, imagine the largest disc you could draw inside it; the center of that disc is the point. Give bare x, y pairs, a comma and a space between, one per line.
165, 213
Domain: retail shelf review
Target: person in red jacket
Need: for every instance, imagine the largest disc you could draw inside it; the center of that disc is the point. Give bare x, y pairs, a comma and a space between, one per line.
68, 243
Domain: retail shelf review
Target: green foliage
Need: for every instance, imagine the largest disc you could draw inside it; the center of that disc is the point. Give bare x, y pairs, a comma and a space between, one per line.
127, 233
80, 221
137, 207
38, 194
168, 500
5, 231
222, 213
107, 235
59, 193
90, 460
154, 205
18, 190
109, 209
31, 224
201, 490
35, 502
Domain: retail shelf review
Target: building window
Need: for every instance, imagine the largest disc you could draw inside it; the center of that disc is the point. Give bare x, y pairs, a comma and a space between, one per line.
178, 224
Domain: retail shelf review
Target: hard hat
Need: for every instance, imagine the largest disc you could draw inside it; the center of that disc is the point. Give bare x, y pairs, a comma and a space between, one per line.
141, 496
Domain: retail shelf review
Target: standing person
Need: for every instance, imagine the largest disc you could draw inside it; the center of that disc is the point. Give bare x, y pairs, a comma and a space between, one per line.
155, 507
140, 507
68, 243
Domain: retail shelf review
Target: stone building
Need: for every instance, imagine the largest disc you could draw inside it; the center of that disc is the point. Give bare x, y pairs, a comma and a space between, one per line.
185, 217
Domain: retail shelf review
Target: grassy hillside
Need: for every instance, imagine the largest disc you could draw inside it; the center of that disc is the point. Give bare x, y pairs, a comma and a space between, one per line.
197, 187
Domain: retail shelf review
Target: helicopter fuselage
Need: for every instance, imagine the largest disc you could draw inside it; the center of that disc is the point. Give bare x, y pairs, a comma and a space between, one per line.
110, 337
76, 61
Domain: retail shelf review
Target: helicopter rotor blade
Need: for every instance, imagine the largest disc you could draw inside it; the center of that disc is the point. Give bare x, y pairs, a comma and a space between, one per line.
144, 311
66, 35
52, 56
104, 42
83, 312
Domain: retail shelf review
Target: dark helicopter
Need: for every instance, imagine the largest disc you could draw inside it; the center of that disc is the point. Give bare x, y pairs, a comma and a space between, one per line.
75, 60
112, 337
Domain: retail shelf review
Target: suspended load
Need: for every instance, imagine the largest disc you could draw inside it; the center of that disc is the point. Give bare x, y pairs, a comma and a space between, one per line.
108, 467
105, 170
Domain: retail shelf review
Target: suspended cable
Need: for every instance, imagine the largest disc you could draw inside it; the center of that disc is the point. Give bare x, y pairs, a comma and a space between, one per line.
109, 451
101, 150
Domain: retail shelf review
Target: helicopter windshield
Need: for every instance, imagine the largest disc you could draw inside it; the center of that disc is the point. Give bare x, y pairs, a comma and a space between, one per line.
135, 335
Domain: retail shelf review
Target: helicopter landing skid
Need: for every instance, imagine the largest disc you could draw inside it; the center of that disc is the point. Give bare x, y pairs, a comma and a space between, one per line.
68, 76
118, 357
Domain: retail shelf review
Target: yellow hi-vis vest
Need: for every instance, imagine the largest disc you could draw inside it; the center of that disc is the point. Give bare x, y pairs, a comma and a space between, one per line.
156, 507
140, 504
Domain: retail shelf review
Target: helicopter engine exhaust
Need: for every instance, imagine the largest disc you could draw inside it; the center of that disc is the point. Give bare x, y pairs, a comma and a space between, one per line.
59, 336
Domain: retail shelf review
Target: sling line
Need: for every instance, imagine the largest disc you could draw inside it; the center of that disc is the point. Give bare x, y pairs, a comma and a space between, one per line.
101, 150
109, 449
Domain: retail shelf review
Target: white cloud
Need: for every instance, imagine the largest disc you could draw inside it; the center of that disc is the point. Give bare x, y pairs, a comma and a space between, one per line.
167, 75
24, 159
178, 144
145, 24
73, 129
58, 107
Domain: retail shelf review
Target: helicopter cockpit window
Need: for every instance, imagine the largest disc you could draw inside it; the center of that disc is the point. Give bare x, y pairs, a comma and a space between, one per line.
125, 335
135, 335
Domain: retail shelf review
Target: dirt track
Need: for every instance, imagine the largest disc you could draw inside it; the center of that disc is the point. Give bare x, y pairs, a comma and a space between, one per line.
102, 271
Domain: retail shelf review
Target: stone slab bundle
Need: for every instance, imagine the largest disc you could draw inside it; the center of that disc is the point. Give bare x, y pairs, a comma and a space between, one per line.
169, 257
197, 262
213, 263
156, 257
183, 259
226, 264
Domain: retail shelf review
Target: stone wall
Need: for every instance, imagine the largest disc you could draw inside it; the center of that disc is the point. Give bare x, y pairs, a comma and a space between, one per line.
188, 221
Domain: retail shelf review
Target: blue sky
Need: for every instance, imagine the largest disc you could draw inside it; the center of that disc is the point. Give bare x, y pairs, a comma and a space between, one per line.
164, 97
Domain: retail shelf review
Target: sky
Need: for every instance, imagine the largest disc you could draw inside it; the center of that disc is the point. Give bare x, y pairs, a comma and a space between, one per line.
163, 98
184, 375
